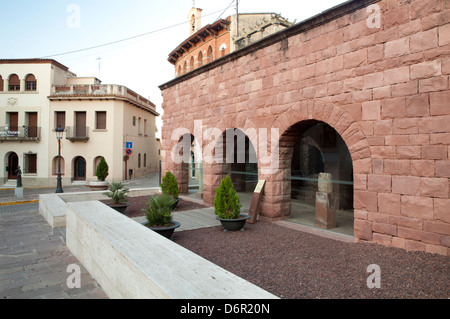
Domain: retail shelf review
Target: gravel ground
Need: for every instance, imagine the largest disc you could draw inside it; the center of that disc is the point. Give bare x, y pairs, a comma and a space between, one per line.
295, 265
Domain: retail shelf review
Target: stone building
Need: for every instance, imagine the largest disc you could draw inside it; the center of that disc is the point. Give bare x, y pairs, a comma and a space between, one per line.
208, 43
38, 95
360, 92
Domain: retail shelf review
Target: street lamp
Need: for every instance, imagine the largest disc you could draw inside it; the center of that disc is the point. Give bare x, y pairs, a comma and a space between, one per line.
59, 132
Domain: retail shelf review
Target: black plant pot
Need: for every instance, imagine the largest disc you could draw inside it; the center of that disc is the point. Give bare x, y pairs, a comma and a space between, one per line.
165, 231
119, 207
234, 224
174, 206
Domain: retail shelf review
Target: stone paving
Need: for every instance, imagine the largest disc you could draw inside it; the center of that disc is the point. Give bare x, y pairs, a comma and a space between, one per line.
34, 258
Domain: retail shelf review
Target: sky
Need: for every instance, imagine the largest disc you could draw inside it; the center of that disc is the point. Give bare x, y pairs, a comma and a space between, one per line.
122, 42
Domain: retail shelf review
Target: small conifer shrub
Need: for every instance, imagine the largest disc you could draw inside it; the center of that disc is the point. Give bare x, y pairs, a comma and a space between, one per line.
102, 170
169, 185
226, 203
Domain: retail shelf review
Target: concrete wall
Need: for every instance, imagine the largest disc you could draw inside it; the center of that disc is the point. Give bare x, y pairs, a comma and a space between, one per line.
131, 261
383, 87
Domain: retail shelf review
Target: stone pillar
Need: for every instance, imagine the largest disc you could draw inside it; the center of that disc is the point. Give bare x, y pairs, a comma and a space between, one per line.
325, 203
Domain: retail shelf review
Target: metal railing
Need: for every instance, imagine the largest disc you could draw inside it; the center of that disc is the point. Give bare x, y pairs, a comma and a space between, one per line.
74, 133
23, 133
101, 90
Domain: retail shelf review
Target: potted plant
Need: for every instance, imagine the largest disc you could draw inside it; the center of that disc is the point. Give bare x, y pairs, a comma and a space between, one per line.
159, 215
118, 195
169, 186
227, 206
101, 173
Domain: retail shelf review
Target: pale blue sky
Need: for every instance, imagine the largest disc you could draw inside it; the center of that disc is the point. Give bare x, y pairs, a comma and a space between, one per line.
36, 29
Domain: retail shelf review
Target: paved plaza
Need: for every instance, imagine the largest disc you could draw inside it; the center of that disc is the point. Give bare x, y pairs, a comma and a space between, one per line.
34, 259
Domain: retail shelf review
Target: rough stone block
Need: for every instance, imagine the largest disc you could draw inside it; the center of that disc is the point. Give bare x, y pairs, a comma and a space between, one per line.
325, 210
426, 69
423, 41
396, 48
406, 185
417, 207
440, 103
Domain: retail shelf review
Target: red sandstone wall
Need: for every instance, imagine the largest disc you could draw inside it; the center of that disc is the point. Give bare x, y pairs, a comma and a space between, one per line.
385, 90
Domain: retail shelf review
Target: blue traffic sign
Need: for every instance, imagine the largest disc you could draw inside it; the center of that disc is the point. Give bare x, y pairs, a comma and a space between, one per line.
129, 144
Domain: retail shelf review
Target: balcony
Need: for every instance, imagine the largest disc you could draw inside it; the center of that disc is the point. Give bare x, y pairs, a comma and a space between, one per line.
77, 134
101, 91
20, 134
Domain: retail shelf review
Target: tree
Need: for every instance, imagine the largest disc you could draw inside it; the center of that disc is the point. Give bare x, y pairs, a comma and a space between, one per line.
226, 203
169, 185
102, 170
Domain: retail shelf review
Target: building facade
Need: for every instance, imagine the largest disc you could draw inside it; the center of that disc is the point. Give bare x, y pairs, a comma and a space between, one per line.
359, 94
98, 121
208, 43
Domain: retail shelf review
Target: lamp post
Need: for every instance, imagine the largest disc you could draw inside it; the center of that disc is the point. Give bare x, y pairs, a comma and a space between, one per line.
59, 132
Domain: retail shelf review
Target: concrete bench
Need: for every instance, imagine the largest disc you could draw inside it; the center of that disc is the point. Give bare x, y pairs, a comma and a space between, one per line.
53, 206
131, 261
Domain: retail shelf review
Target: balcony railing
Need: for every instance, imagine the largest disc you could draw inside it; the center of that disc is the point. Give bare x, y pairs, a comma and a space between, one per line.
77, 134
23, 133
101, 90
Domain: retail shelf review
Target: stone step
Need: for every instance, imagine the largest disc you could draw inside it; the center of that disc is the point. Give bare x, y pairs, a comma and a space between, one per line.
11, 183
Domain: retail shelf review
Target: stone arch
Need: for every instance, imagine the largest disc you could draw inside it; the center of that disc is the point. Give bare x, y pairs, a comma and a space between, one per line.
213, 171
276, 200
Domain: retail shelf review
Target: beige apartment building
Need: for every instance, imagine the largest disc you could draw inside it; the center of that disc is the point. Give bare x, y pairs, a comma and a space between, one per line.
99, 120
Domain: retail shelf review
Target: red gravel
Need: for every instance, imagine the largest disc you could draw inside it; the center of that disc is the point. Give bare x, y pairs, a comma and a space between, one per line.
294, 265
138, 203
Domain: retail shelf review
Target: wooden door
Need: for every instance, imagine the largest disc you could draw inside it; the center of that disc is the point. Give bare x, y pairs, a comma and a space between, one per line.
32, 124
80, 124
13, 163
13, 122
80, 169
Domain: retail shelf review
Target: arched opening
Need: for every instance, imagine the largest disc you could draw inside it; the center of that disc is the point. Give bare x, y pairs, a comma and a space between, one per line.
79, 165
321, 177
96, 162
188, 153
191, 63
1, 84
192, 23
55, 166
30, 83
209, 54
223, 49
13, 164
240, 162
14, 83
200, 59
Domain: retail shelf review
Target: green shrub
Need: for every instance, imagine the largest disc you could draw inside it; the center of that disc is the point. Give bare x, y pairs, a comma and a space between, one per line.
226, 203
102, 170
117, 193
159, 210
169, 185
